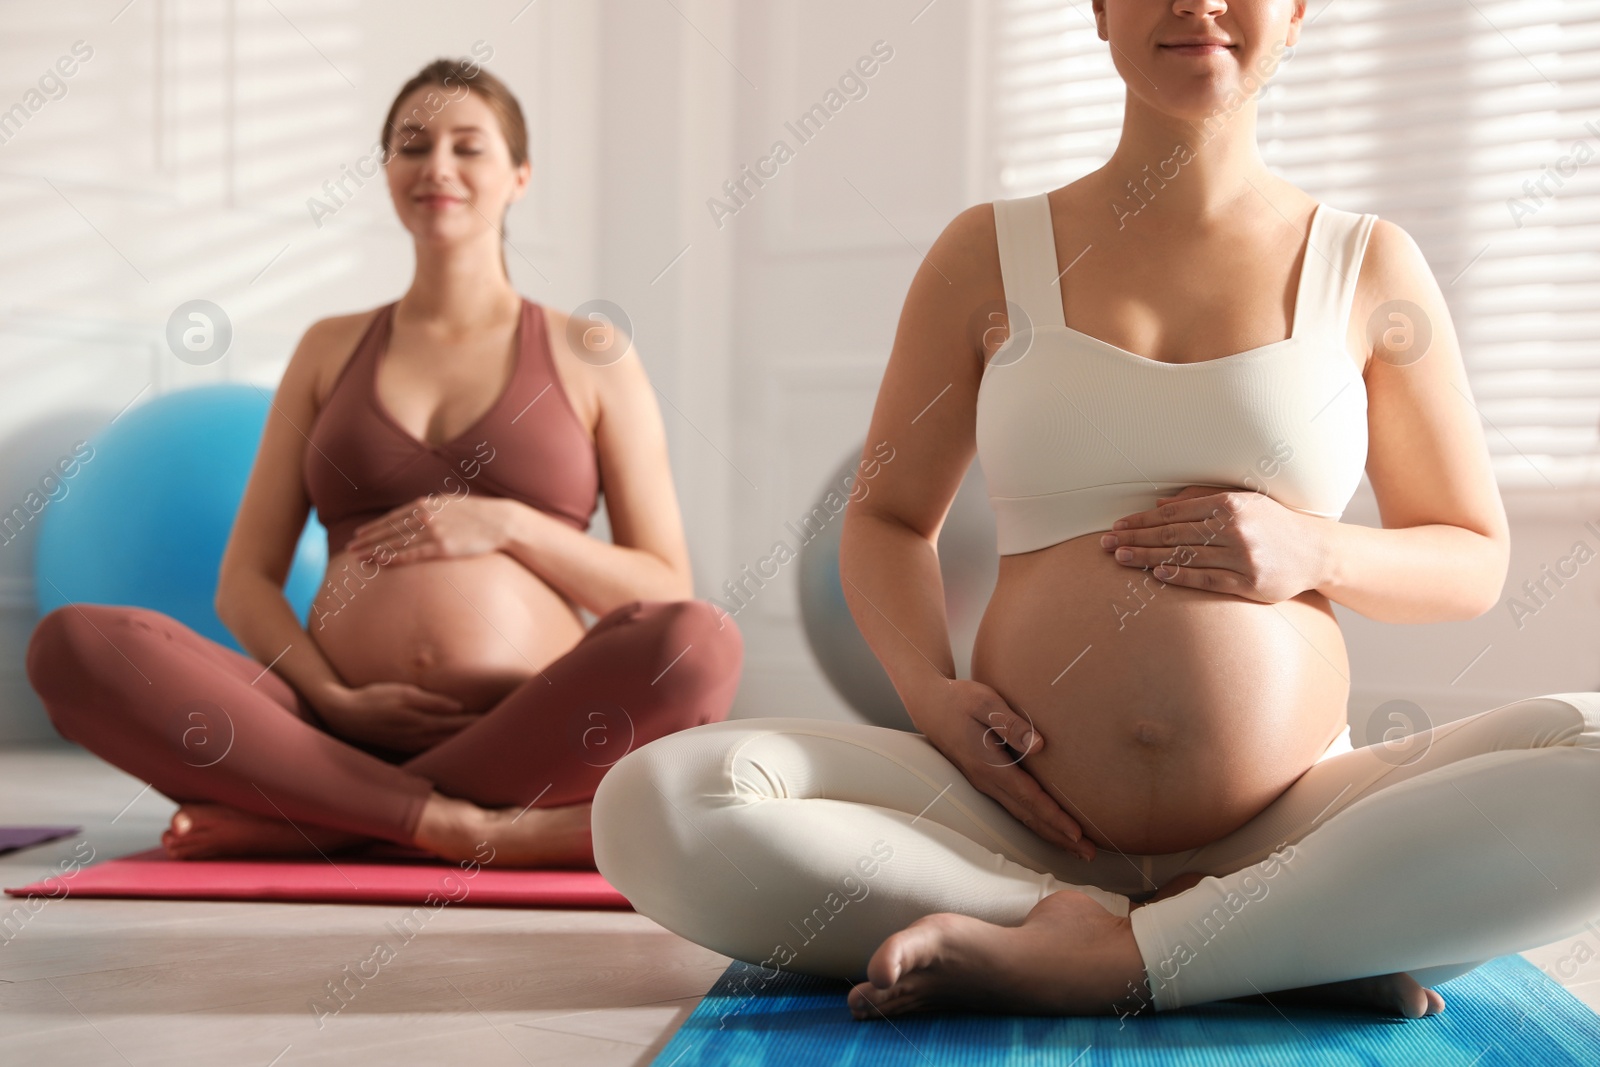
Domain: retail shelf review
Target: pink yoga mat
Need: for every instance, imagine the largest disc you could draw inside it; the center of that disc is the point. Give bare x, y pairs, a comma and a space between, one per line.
348, 879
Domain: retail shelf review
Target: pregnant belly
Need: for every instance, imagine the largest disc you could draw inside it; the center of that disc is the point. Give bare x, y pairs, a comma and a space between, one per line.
1171, 716
473, 627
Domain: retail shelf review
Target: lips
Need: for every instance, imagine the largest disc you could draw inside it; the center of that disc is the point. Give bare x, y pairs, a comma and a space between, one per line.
1198, 46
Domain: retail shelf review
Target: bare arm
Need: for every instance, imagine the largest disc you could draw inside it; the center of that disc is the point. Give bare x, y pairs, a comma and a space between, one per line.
1443, 549
888, 559
648, 558
250, 599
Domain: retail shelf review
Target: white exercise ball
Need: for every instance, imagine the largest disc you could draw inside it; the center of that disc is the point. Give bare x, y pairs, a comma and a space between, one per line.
969, 563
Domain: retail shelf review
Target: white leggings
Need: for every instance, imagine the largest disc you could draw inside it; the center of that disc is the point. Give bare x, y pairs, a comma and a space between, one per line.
800, 845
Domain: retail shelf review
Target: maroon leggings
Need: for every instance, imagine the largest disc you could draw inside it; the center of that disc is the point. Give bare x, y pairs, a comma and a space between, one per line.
201, 722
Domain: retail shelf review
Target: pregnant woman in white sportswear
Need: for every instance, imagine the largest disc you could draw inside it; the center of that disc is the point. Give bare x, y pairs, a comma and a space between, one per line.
1145, 796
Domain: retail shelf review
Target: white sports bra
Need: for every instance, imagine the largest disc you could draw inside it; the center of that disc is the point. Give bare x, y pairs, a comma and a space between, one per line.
1073, 432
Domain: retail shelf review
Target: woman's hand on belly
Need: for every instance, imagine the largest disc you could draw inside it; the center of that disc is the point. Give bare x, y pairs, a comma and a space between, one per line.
422, 529
1174, 715
974, 728
1224, 541
394, 715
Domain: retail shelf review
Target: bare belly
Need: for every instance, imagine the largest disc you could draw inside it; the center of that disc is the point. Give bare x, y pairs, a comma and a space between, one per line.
473, 627
1171, 716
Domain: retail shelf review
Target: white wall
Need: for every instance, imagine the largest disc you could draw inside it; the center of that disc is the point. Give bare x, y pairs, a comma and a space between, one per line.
179, 162
822, 255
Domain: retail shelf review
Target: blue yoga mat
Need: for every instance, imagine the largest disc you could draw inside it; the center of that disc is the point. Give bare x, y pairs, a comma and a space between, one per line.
1505, 1012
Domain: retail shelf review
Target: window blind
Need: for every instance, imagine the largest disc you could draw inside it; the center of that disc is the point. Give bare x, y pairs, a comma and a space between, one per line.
1473, 124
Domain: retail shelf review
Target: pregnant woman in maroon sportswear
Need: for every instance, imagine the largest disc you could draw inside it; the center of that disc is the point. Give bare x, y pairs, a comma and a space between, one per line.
444, 693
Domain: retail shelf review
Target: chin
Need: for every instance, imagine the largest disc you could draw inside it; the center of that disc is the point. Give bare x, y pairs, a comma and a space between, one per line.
439, 232
1197, 103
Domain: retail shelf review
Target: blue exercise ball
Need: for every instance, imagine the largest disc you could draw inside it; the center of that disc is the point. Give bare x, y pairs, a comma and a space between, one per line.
145, 517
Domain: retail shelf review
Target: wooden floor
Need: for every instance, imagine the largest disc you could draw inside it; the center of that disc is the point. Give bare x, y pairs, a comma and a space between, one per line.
98, 982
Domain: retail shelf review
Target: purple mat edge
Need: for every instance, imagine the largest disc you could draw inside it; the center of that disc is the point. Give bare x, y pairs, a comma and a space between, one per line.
13, 838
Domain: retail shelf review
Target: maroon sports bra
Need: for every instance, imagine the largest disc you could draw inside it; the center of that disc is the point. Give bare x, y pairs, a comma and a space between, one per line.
530, 445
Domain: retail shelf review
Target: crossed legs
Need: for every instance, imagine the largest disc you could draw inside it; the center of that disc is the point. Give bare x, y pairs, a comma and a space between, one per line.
814, 846
206, 725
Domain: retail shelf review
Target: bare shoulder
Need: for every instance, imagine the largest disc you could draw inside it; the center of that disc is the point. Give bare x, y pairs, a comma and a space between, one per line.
1393, 260
968, 249
595, 361
1395, 272
973, 227
325, 348
338, 327
969, 246
959, 275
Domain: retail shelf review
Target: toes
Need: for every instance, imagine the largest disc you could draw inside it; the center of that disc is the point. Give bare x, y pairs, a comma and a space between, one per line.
857, 997
868, 997
863, 1001
904, 1001
916, 948
867, 1011
887, 964
178, 847
869, 1002
1411, 999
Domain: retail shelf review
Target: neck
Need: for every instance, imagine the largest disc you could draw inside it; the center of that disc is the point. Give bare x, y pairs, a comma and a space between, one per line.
460, 287
1177, 172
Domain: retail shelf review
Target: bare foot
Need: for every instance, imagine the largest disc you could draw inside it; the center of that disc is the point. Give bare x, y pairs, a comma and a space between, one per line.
215, 831
1069, 957
506, 837
1391, 994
